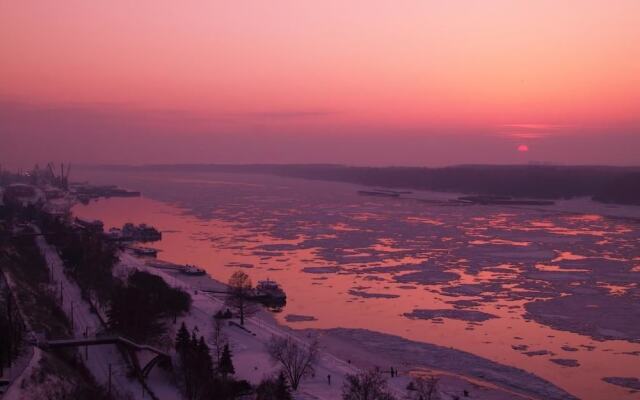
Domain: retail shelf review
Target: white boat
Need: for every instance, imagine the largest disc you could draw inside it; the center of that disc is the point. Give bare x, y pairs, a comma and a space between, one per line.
193, 270
270, 289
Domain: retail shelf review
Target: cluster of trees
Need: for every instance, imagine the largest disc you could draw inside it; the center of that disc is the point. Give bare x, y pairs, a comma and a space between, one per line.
535, 181
608, 184
274, 389
196, 366
367, 385
20, 259
620, 190
425, 388
88, 257
201, 376
11, 328
226, 314
139, 306
371, 385
208, 373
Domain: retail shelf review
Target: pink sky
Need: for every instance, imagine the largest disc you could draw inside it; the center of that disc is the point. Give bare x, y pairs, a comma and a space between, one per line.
364, 82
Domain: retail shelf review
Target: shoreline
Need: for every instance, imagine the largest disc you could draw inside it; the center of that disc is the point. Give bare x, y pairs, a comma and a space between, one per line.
193, 229
361, 348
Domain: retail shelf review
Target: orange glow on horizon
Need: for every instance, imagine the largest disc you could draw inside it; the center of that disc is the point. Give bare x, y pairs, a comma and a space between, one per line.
516, 70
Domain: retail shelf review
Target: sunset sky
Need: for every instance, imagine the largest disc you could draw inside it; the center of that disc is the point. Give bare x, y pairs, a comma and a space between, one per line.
360, 82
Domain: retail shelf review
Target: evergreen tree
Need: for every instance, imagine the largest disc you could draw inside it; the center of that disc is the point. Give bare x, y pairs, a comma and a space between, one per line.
225, 367
205, 363
187, 346
193, 343
193, 351
283, 392
201, 367
182, 340
274, 389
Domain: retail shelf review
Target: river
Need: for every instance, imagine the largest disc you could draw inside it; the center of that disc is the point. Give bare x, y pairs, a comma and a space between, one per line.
552, 290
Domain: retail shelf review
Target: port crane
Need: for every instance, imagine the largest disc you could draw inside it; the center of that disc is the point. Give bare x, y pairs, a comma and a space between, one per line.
62, 180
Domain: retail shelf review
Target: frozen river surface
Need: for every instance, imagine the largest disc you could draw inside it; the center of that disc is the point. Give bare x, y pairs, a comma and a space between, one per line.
553, 290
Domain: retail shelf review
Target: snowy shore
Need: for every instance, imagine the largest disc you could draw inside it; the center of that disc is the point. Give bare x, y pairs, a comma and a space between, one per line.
346, 351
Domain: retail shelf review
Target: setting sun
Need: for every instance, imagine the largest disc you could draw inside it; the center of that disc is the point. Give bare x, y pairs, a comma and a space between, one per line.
320, 199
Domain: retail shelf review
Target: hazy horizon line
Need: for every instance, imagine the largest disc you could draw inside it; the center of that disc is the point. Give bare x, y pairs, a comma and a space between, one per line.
328, 164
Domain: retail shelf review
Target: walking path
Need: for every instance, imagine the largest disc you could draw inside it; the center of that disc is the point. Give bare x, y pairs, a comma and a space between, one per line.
27, 361
253, 363
104, 362
250, 357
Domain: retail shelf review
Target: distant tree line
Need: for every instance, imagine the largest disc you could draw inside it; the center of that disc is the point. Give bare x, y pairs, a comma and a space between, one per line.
607, 184
604, 184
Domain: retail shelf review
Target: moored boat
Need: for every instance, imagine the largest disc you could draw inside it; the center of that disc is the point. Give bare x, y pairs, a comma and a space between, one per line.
193, 270
145, 251
270, 290
378, 193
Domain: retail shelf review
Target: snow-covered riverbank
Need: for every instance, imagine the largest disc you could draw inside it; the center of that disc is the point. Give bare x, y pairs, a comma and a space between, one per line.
25, 363
346, 351
420, 270
104, 362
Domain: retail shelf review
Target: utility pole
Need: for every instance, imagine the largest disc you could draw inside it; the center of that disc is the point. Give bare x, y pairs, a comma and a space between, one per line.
10, 315
72, 324
109, 386
86, 348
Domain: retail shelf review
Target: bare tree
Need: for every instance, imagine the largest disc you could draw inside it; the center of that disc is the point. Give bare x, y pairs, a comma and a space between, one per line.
367, 385
297, 360
218, 338
424, 388
239, 295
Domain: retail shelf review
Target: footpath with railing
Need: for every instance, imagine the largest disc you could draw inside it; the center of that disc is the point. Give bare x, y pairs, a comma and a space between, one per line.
20, 367
107, 364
